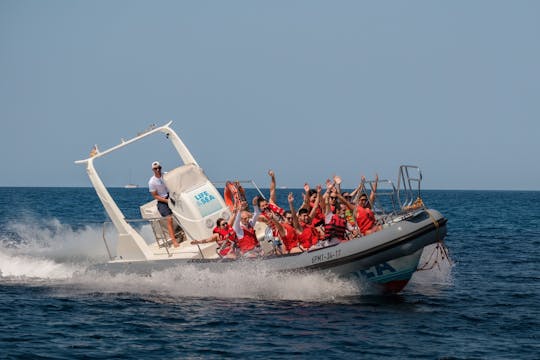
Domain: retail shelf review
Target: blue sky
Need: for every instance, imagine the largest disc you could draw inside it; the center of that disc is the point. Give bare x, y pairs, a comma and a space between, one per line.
307, 88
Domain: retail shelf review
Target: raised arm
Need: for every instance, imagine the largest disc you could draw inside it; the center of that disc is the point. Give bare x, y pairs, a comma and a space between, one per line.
272, 186
296, 223
256, 211
345, 201
326, 197
373, 190
317, 203
233, 216
305, 204
237, 227
337, 183
272, 222
356, 192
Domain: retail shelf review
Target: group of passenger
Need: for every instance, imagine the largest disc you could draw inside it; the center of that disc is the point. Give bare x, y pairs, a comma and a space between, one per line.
323, 219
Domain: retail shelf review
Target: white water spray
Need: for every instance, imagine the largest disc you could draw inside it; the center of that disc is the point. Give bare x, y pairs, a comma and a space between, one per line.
56, 255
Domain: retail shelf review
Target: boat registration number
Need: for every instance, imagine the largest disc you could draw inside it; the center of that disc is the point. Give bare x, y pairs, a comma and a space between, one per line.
329, 255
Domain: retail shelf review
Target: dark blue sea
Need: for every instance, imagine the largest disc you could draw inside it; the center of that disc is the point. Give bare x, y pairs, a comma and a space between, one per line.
486, 305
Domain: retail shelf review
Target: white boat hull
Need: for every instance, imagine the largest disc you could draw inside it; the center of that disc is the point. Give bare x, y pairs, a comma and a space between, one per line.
387, 258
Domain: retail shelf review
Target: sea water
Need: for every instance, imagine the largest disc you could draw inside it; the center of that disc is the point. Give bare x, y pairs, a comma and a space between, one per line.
486, 304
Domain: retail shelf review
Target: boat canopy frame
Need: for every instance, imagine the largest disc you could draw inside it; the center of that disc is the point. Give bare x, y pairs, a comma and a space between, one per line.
130, 242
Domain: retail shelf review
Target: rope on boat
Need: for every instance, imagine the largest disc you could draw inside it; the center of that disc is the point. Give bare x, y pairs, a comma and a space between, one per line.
441, 251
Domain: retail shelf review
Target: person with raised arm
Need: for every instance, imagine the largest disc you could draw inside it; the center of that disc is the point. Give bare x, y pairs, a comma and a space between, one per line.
225, 237
312, 197
336, 225
286, 230
308, 235
345, 196
244, 226
365, 218
270, 211
362, 189
331, 195
290, 225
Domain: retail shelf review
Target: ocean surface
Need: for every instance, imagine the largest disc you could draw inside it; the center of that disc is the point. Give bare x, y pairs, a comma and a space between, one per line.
486, 305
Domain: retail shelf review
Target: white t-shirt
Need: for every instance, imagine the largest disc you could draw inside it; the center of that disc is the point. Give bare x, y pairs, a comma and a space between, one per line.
157, 184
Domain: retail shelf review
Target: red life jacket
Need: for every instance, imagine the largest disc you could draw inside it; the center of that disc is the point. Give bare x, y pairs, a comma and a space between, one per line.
290, 239
318, 216
336, 228
364, 218
269, 213
249, 241
225, 234
309, 236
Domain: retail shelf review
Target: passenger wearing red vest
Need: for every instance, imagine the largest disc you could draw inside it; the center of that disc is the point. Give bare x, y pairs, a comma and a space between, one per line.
312, 202
286, 230
308, 235
269, 209
290, 238
292, 227
365, 217
245, 231
225, 237
311, 216
336, 225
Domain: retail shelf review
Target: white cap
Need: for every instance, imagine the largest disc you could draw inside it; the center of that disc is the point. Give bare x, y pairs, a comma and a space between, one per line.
155, 165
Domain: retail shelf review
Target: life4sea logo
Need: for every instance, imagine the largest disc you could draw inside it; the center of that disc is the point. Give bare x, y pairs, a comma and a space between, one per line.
204, 198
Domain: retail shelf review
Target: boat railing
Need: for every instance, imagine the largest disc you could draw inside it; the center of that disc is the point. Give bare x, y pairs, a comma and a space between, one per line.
408, 186
385, 205
385, 193
159, 230
393, 202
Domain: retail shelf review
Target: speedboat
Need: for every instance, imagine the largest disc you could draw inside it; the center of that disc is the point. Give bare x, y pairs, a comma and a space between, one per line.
387, 258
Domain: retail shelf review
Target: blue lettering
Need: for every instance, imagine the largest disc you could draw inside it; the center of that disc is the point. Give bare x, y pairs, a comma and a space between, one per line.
367, 274
204, 198
377, 270
384, 267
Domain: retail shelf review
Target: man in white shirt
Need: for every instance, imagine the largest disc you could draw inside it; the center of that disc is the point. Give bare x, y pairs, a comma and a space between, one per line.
159, 191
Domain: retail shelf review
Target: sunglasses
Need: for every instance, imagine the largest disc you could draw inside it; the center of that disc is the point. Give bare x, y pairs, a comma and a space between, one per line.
158, 168
288, 218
